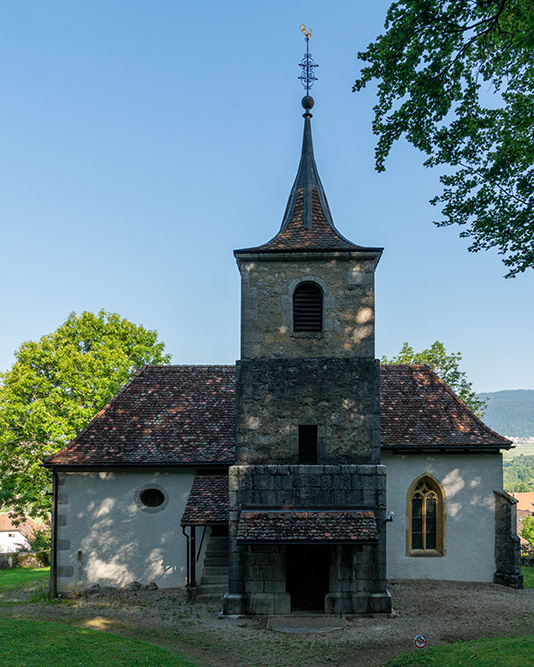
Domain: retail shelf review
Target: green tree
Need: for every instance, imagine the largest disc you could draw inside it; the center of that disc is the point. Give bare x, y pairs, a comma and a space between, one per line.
527, 531
54, 388
518, 474
456, 79
447, 367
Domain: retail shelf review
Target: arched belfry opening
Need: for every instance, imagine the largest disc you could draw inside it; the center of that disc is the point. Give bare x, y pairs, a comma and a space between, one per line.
308, 308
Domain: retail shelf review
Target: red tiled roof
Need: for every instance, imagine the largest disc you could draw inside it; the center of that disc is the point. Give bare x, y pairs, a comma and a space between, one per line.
418, 410
179, 415
525, 500
208, 501
164, 415
316, 526
26, 527
294, 237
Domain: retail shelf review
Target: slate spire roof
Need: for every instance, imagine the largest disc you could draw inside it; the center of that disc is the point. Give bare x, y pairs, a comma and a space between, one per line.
307, 225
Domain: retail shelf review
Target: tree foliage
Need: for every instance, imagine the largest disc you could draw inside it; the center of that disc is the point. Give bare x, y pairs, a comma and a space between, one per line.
54, 388
518, 474
527, 530
447, 366
456, 79
39, 539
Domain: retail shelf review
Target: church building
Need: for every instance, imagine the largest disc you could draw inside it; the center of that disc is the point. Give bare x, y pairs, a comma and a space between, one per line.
302, 478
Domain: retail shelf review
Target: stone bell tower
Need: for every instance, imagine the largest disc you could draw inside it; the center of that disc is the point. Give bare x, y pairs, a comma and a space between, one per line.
307, 493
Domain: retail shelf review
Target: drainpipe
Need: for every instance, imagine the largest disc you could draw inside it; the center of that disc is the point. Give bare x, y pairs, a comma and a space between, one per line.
187, 556
193, 581
54, 534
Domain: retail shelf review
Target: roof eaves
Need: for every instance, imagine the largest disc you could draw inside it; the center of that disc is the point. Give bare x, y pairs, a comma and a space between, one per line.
470, 413
307, 253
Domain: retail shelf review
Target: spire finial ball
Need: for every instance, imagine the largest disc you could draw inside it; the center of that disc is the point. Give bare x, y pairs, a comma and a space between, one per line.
307, 102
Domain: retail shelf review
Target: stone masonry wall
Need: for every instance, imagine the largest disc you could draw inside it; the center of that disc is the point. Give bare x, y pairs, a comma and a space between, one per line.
308, 486
341, 396
257, 579
266, 306
507, 546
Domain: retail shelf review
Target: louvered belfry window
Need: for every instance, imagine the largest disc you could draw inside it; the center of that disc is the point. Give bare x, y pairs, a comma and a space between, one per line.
308, 308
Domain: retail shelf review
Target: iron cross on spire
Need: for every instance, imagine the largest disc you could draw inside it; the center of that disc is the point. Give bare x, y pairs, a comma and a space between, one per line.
307, 77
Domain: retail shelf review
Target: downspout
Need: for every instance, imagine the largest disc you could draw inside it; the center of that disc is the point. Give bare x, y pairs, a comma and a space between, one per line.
53, 555
193, 582
188, 578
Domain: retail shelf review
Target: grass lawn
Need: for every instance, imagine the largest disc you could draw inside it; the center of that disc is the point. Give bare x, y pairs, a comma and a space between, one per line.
511, 652
38, 643
20, 576
528, 577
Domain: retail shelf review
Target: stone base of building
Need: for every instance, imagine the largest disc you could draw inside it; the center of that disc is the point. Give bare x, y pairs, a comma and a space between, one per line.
510, 580
274, 604
235, 604
358, 603
256, 604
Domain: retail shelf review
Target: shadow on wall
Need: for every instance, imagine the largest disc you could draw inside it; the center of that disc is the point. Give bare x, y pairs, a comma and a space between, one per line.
116, 540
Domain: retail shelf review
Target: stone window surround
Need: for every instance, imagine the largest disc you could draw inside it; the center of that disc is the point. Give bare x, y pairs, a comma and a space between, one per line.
294, 438
441, 517
142, 506
328, 302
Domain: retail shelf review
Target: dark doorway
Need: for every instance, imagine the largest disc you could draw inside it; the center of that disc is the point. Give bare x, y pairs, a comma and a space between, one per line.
307, 576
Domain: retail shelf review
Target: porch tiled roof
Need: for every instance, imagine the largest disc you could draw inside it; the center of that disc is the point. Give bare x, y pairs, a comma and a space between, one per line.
305, 527
208, 501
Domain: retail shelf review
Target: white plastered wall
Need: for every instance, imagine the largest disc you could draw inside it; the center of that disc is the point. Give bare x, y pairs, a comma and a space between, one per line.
468, 481
107, 537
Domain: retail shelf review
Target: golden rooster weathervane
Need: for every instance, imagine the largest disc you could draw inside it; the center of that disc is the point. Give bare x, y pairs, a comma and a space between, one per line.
307, 77
305, 31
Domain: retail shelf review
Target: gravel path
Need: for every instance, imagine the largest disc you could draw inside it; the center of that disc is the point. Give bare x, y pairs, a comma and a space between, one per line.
442, 611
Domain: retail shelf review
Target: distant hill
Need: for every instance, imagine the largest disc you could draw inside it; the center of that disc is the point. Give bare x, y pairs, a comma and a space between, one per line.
510, 412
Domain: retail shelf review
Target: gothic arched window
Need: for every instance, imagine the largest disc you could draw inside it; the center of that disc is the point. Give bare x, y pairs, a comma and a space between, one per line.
426, 518
308, 308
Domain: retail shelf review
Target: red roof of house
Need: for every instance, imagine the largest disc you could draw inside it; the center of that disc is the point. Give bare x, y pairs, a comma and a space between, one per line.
26, 527
525, 500
184, 415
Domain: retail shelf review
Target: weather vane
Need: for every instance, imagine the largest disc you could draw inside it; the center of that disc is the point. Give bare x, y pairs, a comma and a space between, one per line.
307, 77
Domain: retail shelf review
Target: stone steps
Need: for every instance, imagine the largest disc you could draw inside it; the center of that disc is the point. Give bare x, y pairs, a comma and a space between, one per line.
214, 580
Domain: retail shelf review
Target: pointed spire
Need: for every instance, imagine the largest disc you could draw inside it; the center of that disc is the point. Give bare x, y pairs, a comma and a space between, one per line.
307, 178
307, 225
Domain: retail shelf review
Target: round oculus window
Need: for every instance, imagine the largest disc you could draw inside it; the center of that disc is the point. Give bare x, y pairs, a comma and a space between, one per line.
152, 497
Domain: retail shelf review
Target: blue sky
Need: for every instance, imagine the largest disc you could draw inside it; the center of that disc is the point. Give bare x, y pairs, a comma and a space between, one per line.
141, 142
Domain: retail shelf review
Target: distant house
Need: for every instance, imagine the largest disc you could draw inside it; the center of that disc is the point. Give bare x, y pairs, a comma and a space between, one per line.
12, 537
525, 507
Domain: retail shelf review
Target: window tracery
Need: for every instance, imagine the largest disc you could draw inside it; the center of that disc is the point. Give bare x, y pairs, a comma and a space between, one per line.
426, 518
